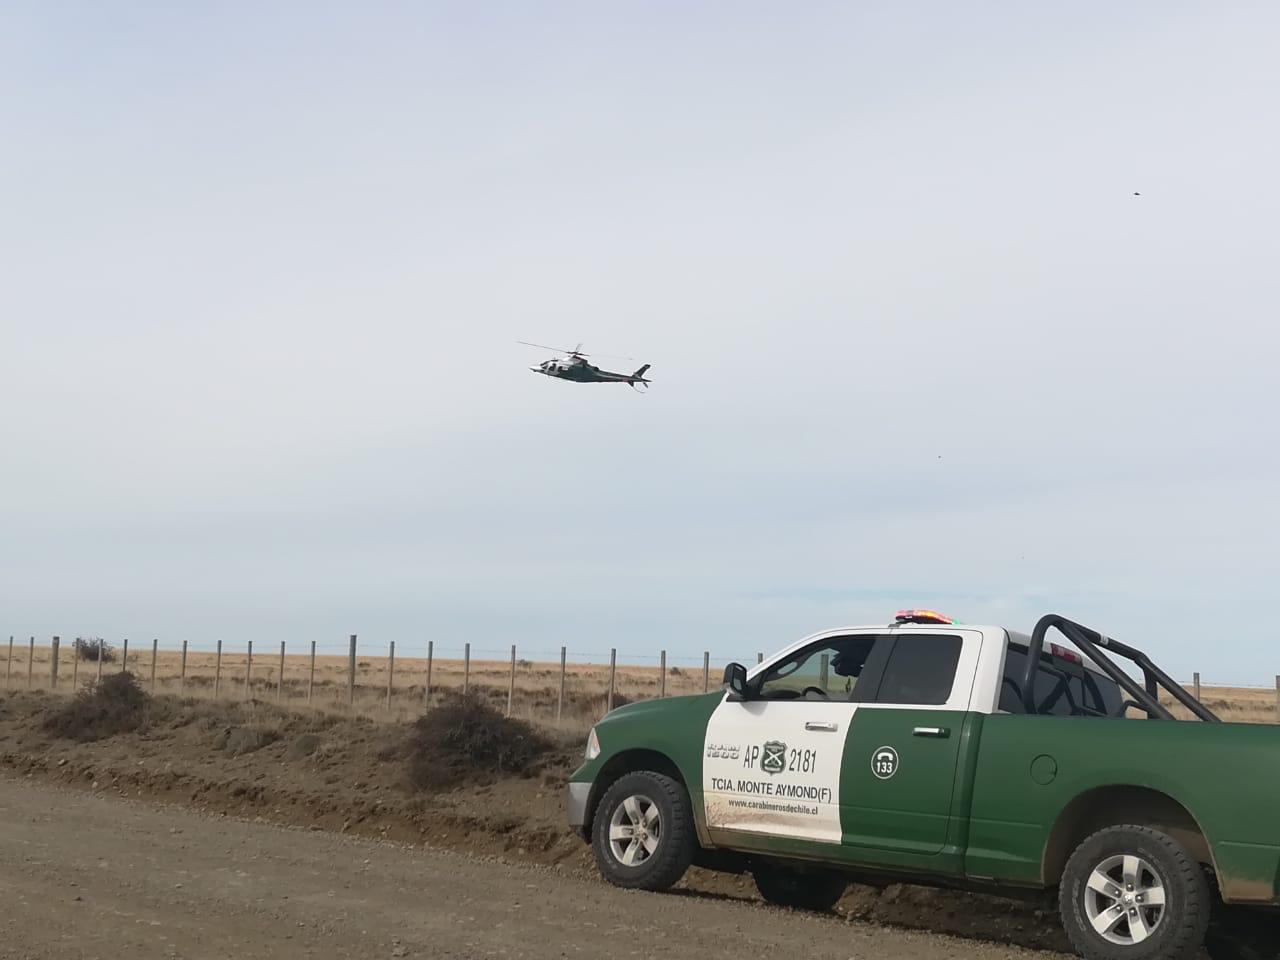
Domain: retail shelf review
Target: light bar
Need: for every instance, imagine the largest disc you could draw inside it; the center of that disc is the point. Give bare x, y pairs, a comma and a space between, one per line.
922, 616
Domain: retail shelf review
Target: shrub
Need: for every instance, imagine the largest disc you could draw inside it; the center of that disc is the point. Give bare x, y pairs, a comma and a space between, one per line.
676, 672
115, 705
94, 649
242, 740
465, 740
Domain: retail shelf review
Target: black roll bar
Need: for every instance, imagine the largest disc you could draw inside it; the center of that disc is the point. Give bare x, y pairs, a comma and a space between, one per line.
1091, 643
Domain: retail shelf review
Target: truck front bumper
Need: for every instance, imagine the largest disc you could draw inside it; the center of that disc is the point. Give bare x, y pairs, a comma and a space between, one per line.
578, 795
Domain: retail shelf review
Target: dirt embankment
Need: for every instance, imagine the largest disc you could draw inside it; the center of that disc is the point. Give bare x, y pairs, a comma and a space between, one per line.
403, 782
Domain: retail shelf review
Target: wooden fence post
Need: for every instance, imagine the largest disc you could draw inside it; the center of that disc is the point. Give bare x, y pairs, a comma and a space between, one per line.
391, 672
217, 670
182, 670
311, 672
75, 666
613, 673
280, 678
662, 674
101, 657
351, 673
426, 694
8, 664
124, 656
31, 659
248, 673
466, 668
155, 647
511, 682
1278, 696
560, 699
1195, 682
706, 670
759, 658
53, 665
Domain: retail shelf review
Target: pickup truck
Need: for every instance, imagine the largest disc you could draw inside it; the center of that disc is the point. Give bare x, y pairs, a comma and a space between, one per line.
928, 751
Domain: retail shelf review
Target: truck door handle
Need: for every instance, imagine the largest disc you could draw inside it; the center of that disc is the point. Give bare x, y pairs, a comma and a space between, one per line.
823, 725
939, 733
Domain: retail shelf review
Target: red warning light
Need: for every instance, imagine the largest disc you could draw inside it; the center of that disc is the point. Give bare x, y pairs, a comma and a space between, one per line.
1062, 653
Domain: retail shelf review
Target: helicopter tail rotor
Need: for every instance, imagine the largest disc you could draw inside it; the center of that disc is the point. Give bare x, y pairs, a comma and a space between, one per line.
637, 379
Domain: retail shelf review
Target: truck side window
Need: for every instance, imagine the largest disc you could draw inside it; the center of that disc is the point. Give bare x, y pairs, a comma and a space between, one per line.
921, 670
1060, 689
828, 670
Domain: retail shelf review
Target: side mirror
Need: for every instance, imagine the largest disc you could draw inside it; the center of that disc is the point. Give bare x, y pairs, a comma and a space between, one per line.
735, 681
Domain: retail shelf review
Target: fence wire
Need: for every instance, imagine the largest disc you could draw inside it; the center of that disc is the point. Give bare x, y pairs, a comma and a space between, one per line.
401, 677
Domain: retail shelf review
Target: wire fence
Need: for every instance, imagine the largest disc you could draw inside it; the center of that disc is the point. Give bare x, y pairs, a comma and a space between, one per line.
557, 686
560, 686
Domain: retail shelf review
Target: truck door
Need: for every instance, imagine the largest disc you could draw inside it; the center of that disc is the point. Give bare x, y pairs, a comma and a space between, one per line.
771, 764
900, 759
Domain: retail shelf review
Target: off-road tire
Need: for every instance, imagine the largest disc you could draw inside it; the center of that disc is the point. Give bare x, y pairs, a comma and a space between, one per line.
804, 889
1180, 933
677, 841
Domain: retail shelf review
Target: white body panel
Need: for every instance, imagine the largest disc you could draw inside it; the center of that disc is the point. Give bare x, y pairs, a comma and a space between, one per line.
742, 790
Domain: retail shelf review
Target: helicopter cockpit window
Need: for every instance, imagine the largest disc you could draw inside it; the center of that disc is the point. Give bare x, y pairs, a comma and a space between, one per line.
826, 670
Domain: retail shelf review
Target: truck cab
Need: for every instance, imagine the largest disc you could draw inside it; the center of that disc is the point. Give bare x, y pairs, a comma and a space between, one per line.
943, 753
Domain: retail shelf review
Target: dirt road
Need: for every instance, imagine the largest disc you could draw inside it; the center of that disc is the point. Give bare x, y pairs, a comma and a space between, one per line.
84, 876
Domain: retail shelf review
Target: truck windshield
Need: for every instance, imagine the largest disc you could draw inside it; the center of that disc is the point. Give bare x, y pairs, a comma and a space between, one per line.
1061, 689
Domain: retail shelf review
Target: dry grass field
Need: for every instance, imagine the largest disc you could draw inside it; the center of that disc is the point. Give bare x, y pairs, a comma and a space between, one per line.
535, 696
1237, 704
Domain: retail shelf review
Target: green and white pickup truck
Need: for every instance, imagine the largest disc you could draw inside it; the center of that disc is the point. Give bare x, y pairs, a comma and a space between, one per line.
969, 756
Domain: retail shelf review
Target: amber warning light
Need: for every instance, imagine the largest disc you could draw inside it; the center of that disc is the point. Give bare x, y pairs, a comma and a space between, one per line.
922, 616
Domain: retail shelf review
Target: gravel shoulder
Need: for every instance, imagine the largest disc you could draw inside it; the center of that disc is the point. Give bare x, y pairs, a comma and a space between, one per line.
88, 876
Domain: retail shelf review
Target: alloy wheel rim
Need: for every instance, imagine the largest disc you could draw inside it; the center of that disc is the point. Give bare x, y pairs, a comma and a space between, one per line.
635, 830
1124, 900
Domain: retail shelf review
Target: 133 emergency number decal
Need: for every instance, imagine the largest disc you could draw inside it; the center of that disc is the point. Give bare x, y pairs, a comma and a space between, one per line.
884, 763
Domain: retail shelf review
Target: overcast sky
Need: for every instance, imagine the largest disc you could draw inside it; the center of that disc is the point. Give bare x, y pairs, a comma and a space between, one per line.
915, 340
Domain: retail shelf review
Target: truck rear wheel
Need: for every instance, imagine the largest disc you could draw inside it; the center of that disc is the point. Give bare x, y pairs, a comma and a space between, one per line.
1134, 893
643, 834
807, 890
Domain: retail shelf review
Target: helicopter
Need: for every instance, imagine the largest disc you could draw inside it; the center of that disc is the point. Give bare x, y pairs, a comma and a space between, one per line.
573, 366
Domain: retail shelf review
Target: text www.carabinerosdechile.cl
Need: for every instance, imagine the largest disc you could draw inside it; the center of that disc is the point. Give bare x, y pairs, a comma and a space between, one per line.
775, 807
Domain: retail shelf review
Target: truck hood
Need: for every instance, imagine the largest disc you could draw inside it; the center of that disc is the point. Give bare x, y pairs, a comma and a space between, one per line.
633, 712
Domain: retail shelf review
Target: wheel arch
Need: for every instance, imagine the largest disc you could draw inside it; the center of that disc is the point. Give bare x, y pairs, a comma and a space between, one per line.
1114, 805
631, 761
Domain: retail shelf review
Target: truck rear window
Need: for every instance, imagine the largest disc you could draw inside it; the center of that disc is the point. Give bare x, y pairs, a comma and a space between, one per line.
1061, 691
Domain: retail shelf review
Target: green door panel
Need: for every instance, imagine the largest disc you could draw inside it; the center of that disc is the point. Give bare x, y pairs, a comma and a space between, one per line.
900, 802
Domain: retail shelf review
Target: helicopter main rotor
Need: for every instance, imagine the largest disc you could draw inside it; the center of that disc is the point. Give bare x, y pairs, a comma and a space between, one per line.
575, 352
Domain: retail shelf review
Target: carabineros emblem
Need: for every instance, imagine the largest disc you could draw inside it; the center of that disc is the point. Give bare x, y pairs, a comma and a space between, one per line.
773, 758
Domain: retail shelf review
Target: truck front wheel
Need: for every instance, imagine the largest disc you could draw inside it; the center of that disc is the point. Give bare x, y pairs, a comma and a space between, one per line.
643, 834
808, 890
1134, 893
